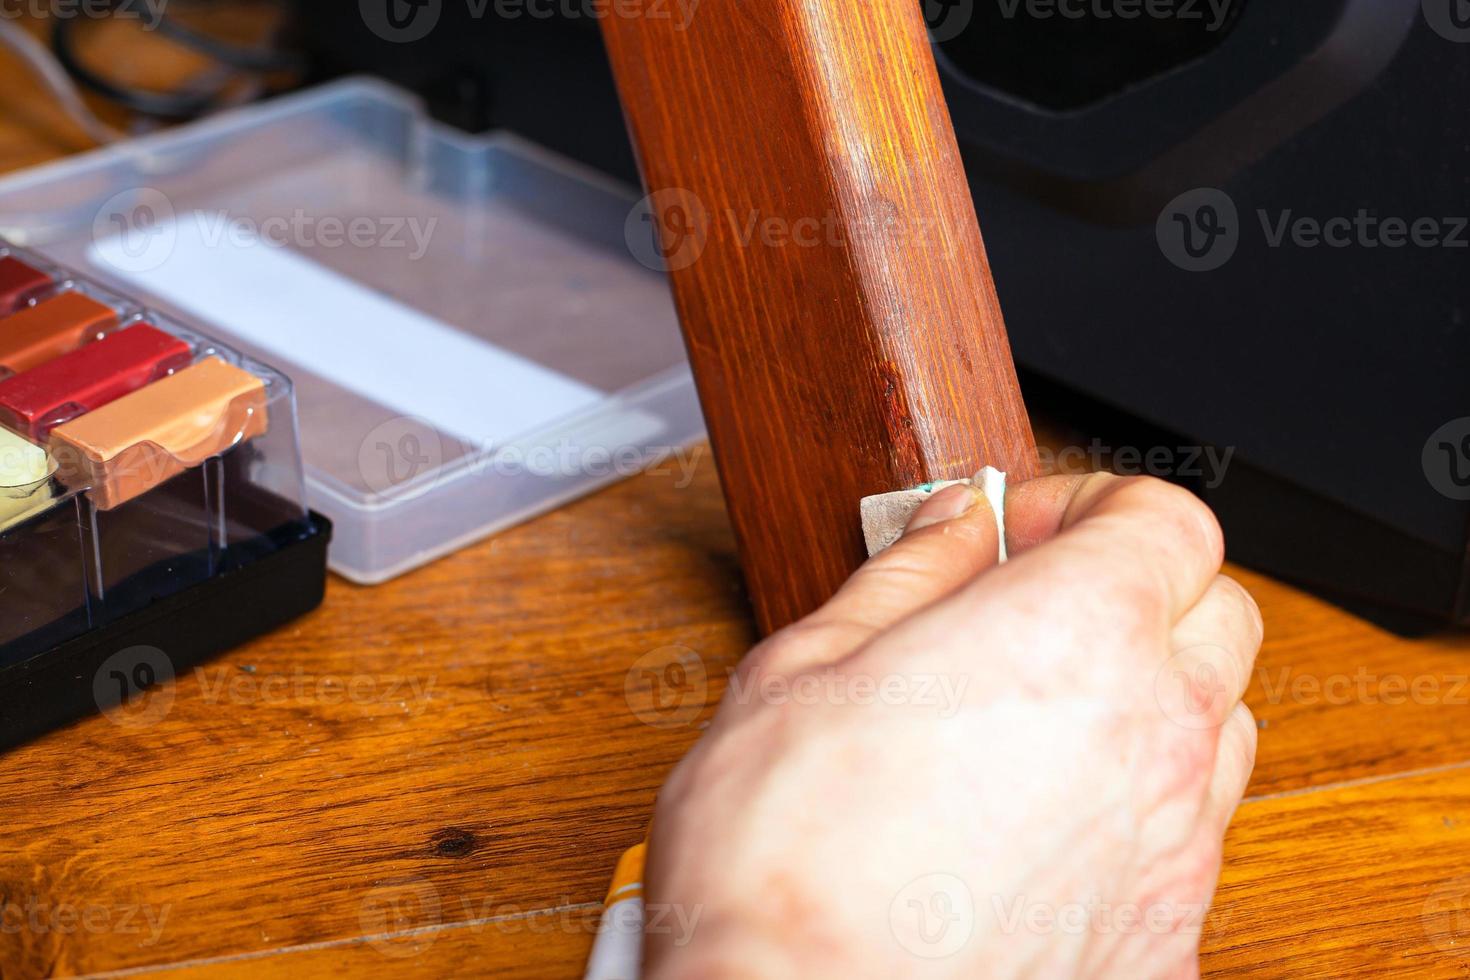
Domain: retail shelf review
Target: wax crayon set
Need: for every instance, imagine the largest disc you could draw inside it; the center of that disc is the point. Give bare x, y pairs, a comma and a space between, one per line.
151, 493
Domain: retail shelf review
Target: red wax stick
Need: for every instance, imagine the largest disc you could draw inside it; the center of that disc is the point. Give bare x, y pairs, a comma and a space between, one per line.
18, 283
35, 401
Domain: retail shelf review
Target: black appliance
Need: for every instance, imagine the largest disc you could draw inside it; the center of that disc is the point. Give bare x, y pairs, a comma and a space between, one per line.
1240, 223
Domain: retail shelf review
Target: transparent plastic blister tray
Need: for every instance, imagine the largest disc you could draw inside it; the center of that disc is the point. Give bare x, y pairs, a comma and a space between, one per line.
73, 561
471, 341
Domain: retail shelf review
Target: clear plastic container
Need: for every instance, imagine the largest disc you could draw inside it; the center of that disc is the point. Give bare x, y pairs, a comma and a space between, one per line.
212, 494
471, 340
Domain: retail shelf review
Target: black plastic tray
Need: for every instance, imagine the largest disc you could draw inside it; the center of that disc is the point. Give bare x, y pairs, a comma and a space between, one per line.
148, 647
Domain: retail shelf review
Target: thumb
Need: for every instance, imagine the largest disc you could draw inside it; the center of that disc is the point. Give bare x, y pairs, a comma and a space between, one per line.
949, 540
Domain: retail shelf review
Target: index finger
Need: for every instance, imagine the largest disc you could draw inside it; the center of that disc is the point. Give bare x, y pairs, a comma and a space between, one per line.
949, 541
1138, 539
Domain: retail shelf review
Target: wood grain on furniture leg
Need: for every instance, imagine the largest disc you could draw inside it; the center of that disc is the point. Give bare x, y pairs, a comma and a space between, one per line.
828, 269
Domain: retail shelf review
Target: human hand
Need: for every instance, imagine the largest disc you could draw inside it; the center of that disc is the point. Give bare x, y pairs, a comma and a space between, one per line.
956, 769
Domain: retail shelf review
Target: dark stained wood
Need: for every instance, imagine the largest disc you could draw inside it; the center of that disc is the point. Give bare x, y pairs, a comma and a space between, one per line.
828, 269
289, 836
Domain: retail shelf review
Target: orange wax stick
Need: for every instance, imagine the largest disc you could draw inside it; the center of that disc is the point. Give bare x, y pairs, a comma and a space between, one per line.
51, 328
129, 446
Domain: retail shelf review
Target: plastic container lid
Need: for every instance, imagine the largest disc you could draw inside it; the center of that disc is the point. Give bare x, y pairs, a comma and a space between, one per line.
471, 339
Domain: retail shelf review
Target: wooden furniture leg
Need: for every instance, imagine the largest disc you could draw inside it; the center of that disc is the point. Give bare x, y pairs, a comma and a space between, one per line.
827, 267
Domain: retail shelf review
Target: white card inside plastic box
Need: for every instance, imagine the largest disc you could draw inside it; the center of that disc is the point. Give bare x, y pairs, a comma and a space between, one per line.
306, 314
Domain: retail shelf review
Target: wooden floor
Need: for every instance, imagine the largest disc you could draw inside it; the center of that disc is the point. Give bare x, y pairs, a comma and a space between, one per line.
435, 777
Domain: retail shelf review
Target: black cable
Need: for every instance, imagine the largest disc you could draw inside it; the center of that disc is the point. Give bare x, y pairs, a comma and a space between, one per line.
163, 105
234, 55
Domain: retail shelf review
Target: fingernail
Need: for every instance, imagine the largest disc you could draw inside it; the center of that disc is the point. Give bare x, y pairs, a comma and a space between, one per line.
946, 505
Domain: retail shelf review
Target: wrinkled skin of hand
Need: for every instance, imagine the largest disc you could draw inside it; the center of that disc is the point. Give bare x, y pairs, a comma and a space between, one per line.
958, 768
